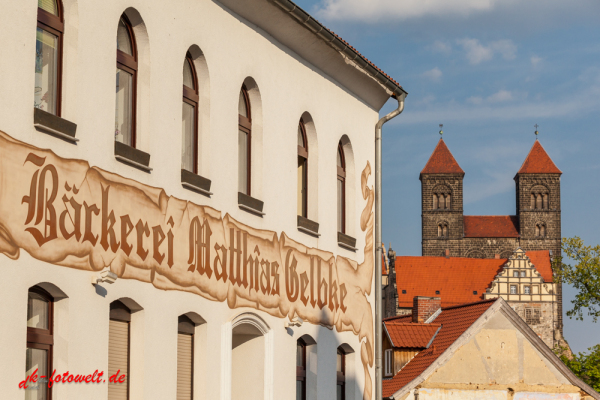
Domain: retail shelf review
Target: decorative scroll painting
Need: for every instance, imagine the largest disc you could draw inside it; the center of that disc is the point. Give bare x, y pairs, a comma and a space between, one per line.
65, 212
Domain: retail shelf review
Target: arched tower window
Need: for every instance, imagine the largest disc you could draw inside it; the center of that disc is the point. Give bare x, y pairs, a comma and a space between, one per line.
48, 56
189, 152
341, 189
442, 196
540, 229
302, 170
127, 66
540, 198
443, 230
244, 142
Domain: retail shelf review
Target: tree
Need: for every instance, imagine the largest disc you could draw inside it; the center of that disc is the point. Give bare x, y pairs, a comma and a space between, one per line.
585, 366
583, 275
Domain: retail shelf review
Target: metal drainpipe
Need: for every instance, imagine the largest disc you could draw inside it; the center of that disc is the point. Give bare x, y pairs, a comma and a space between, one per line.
378, 247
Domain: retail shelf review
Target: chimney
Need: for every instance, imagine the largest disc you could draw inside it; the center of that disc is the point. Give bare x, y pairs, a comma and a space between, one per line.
447, 253
497, 256
425, 307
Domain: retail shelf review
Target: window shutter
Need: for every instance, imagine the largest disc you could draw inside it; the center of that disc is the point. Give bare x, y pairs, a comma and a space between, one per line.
184, 366
118, 358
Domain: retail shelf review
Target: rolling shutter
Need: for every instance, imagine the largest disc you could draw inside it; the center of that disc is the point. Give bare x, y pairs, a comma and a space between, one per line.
118, 359
184, 366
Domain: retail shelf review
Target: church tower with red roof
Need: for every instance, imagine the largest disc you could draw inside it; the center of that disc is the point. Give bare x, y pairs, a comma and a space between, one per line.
442, 203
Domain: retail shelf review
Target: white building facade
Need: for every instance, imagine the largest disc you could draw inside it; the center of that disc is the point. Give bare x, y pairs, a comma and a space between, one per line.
207, 228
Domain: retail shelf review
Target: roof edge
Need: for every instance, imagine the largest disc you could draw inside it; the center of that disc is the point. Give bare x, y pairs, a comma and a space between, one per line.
334, 41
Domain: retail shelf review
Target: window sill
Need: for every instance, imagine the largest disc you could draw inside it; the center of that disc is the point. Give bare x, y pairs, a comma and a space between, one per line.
132, 157
250, 204
346, 242
195, 183
55, 126
307, 226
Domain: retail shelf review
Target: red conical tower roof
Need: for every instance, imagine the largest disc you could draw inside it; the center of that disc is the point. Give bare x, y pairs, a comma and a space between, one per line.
442, 161
538, 162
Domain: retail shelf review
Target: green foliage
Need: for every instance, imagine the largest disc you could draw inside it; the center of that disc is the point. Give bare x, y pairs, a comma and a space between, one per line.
583, 275
585, 366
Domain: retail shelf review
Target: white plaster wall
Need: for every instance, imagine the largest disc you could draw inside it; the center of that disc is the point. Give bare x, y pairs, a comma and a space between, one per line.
233, 50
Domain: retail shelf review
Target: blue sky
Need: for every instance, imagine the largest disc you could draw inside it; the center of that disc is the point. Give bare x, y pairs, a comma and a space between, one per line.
488, 70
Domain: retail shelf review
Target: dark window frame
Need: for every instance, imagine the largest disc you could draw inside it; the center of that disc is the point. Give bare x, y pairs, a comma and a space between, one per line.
129, 64
303, 157
43, 339
191, 97
245, 125
341, 176
341, 376
56, 26
301, 370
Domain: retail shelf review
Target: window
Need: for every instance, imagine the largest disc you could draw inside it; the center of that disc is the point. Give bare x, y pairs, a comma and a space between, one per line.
389, 362
441, 197
523, 274
118, 350
189, 120
185, 358
341, 374
513, 289
341, 189
443, 230
301, 370
539, 198
48, 56
527, 289
515, 274
302, 171
244, 142
39, 341
125, 110
540, 229
533, 315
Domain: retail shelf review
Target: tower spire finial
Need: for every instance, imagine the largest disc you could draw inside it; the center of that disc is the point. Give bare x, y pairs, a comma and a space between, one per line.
536, 131
441, 131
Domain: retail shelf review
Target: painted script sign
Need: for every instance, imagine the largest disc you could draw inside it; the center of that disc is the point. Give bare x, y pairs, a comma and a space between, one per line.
65, 212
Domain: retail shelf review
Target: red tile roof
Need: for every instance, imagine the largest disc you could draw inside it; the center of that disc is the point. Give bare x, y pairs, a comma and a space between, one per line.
410, 335
455, 321
541, 260
487, 226
538, 162
442, 161
455, 278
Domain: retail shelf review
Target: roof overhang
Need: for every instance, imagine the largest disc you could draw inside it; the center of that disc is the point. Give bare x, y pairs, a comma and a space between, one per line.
307, 38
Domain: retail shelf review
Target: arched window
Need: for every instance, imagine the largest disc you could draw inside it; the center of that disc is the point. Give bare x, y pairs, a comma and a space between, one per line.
341, 374
441, 197
48, 56
301, 370
244, 142
341, 189
538, 202
185, 357
125, 110
302, 170
545, 201
118, 350
435, 202
443, 230
532, 201
540, 229
448, 201
39, 340
189, 158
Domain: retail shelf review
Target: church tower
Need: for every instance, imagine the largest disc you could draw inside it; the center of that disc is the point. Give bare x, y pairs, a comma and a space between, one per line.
538, 207
441, 204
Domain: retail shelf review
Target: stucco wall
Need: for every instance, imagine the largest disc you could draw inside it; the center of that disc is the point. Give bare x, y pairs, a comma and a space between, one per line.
232, 50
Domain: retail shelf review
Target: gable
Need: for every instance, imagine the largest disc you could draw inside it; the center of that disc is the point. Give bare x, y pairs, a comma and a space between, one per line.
499, 354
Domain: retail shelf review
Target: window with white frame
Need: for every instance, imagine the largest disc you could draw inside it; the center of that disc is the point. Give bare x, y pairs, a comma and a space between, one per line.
389, 362
513, 289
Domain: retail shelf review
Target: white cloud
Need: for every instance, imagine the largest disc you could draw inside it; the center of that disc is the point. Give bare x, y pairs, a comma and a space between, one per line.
373, 10
535, 60
477, 53
475, 100
433, 74
441, 47
500, 96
